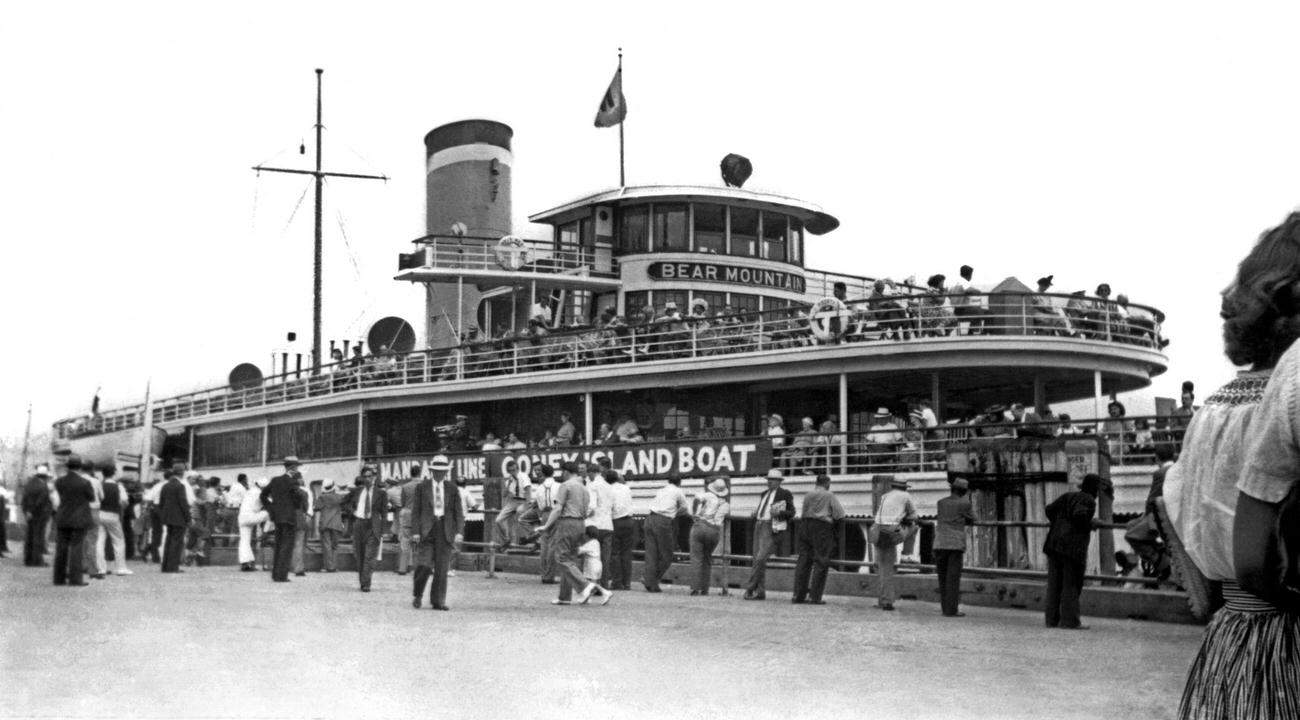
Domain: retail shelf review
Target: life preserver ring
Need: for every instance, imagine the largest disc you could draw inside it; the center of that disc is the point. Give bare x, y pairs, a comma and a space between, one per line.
821, 316
513, 253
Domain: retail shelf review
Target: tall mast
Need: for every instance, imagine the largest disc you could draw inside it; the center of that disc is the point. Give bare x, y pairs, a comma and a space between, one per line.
320, 176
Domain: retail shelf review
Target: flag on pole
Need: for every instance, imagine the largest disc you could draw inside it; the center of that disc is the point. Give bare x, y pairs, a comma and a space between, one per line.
613, 107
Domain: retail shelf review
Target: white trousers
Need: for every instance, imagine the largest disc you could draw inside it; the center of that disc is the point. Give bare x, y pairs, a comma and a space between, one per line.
246, 525
110, 528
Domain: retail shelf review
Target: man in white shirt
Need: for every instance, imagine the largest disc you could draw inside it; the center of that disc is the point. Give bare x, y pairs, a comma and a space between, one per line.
514, 495
896, 517
601, 517
624, 540
92, 535
660, 538
544, 498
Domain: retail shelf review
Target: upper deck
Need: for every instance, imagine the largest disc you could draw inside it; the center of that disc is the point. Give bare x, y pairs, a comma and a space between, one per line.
896, 343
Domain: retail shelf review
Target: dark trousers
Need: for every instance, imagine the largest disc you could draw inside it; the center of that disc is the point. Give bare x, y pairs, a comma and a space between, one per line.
365, 549
432, 560
947, 563
816, 543
128, 530
173, 548
624, 542
34, 547
155, 534
283, 551
69, 558
659, 545
1064, 585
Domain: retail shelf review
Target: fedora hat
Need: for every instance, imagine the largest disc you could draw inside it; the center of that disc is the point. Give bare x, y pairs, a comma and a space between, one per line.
718, 486
291, 460
439, 462
898, 483
883, 412
775, 474
42, 471
327, 486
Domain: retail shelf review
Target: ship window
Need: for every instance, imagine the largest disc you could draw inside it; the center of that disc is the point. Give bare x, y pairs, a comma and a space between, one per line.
744, 232
670, 228
796, 241
634, 229
774, 234
238, 447
663, 297
677, 423
634, 303
710, 228
715, 300
586, 233
569, 235
744, 303
331, 437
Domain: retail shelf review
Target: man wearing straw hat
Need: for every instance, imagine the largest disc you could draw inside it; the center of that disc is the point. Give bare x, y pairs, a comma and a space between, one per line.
895, 516
774, 512
437, 527
329, 505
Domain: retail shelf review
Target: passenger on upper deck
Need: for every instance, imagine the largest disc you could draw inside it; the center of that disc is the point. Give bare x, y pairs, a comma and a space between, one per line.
969, 303
567, 433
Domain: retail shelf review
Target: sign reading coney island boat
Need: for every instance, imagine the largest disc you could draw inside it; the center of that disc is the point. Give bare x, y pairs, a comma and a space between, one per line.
718, 272
697, 458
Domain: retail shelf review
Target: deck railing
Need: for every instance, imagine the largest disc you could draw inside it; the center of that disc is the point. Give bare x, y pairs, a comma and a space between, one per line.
924, 318
442, 252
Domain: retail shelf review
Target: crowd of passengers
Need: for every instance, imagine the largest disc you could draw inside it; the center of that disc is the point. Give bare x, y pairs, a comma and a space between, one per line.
891, 311
914, 440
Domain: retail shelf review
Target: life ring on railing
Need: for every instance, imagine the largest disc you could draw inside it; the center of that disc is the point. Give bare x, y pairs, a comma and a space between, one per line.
822, 319
513, 253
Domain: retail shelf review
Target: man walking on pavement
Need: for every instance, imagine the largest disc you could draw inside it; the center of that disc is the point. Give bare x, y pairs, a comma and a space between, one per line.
567, 525
367, 503
437, 527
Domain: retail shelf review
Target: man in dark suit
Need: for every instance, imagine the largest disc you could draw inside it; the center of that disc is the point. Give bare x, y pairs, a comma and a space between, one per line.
1066, 547
37, 509
366, 503
771, 517
953, 514
72, 520
174, 514
283, 502
437, 527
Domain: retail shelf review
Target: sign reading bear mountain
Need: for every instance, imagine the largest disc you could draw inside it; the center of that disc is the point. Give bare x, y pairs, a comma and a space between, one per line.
735, 274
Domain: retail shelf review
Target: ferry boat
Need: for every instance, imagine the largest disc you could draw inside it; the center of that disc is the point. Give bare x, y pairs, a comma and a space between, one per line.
668, 326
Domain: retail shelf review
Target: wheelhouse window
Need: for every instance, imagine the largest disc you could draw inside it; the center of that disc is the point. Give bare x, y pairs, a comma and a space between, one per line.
774, 237
710, 228
634, 230
744, 232
670, 229
796, 241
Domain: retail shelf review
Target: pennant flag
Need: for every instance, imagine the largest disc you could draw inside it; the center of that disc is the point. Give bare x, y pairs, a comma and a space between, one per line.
613, 107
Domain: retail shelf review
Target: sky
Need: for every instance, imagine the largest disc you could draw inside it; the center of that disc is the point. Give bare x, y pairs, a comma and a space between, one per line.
1141, 144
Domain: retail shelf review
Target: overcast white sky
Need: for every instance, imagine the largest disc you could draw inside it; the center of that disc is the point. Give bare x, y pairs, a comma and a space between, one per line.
1145, 145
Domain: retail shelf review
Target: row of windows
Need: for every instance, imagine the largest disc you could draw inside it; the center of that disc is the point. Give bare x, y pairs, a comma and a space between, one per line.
238, 447
332, 437
739, 302
707, 228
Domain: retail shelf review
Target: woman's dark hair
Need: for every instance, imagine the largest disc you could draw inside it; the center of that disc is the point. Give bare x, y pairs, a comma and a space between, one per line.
1261, 310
